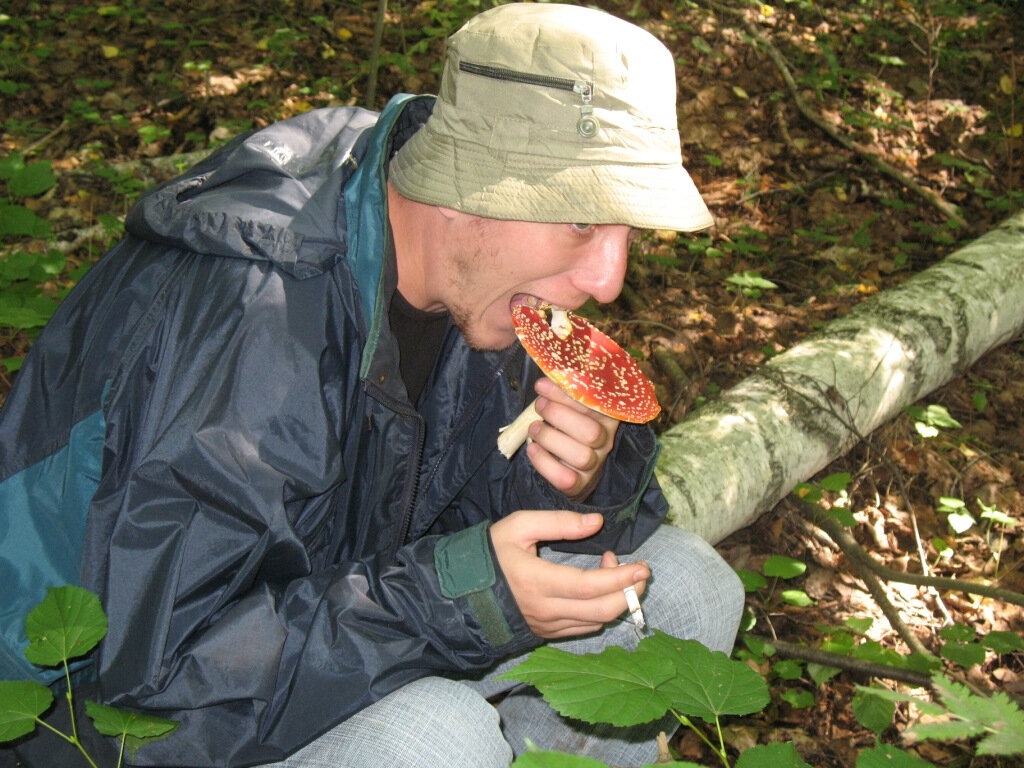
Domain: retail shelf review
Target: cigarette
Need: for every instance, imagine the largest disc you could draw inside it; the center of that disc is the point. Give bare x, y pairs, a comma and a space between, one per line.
633, 602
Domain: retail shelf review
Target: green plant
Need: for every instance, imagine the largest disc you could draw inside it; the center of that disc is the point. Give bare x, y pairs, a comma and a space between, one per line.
666, 675
23, 304
750, 283
663, 675
67, 625
996, 718
995, 518
957, 516
929, 420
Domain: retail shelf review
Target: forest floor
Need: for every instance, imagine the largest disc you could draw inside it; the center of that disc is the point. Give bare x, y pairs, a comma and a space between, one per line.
933, 88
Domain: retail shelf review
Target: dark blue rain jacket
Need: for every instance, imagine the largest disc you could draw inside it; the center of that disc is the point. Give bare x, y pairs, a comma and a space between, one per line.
212, 434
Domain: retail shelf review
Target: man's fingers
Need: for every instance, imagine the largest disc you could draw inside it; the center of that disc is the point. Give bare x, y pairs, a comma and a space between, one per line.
596, 610
561, 476
528, 526
586, 428
565, 582
569, 450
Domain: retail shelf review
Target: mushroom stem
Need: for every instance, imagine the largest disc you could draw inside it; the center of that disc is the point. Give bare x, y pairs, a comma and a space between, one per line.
561, 326
510, 437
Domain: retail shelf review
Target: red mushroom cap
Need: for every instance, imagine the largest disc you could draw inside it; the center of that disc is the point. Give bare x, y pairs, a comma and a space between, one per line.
588, 365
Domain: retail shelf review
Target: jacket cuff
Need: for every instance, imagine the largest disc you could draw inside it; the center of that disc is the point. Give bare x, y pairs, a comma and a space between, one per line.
466, 571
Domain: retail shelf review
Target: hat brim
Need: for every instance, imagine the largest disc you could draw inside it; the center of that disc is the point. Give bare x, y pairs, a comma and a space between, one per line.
434, 169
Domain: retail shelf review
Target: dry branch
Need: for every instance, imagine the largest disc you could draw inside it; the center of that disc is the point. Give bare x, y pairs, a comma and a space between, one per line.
863, 559
848, 663
667, 362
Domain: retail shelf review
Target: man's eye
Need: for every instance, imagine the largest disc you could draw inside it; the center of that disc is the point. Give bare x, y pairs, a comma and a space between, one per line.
582, 228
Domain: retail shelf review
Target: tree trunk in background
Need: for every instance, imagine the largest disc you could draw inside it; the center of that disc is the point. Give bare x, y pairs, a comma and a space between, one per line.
736, 457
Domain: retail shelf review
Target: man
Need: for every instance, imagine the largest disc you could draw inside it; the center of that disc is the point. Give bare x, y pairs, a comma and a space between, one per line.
263, 427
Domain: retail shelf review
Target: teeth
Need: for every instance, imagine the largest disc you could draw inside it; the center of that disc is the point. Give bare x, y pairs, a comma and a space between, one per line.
526, 300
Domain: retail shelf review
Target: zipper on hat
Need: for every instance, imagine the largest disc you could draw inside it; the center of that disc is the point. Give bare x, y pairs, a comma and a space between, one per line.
586, 126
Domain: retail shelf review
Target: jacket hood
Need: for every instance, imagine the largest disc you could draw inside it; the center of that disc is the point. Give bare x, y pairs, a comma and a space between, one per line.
272, 195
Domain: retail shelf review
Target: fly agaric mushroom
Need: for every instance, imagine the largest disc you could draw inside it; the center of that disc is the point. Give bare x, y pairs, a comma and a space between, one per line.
590, 367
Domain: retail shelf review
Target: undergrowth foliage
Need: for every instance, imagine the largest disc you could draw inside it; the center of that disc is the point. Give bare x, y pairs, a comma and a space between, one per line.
666, 675
67, 625
24, 304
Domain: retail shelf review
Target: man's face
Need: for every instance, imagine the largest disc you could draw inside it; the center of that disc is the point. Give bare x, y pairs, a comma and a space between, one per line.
487, 264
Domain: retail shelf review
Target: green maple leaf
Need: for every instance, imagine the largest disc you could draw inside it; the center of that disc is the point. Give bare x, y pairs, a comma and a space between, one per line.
613, 686
21, 702
623, 688
707, 683
136, 728
66, 624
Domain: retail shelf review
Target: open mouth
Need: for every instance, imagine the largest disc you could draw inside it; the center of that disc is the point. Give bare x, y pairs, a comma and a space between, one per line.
527, 300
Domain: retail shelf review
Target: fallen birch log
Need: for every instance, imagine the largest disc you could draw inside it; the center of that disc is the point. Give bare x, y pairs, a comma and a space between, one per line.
736, 457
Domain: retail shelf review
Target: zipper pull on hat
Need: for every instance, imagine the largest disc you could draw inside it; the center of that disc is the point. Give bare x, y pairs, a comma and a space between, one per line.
586, 125
554, 113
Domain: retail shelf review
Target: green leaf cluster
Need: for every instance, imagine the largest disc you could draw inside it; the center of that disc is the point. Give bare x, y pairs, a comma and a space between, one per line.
22, 304
778, 568
750, 283
66, 625
24, 180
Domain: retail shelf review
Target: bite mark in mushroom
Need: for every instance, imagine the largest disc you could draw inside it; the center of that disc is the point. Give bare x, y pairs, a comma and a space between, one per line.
587, 365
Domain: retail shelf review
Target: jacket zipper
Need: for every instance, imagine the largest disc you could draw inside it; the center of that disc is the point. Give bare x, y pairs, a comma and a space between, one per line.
412, 491
467, 418
411, 486
586, 126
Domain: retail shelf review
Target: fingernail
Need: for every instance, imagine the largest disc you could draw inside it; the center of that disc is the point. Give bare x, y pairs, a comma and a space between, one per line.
641, 574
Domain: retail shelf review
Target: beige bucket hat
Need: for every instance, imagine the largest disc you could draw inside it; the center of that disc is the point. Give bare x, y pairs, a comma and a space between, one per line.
554, 113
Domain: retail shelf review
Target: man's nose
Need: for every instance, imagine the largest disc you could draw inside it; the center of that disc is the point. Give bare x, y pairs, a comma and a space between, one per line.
604, 269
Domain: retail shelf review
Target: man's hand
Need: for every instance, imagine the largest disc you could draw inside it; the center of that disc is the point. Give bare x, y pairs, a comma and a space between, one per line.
571, 444
557, 600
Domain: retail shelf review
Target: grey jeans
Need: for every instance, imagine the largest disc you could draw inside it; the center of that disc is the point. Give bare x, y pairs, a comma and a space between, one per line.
692, 593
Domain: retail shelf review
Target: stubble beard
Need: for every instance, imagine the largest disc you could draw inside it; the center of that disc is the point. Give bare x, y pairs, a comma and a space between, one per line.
464, 264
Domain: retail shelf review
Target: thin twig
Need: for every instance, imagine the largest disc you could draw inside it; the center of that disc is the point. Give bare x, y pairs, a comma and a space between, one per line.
378, 36
847, 663
874, 585
44, 139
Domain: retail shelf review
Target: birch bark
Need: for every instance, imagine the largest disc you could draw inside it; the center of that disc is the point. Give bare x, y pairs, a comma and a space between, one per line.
736, 457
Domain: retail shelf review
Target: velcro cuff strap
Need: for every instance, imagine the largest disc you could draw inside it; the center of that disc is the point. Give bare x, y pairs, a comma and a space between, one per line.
465, 569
